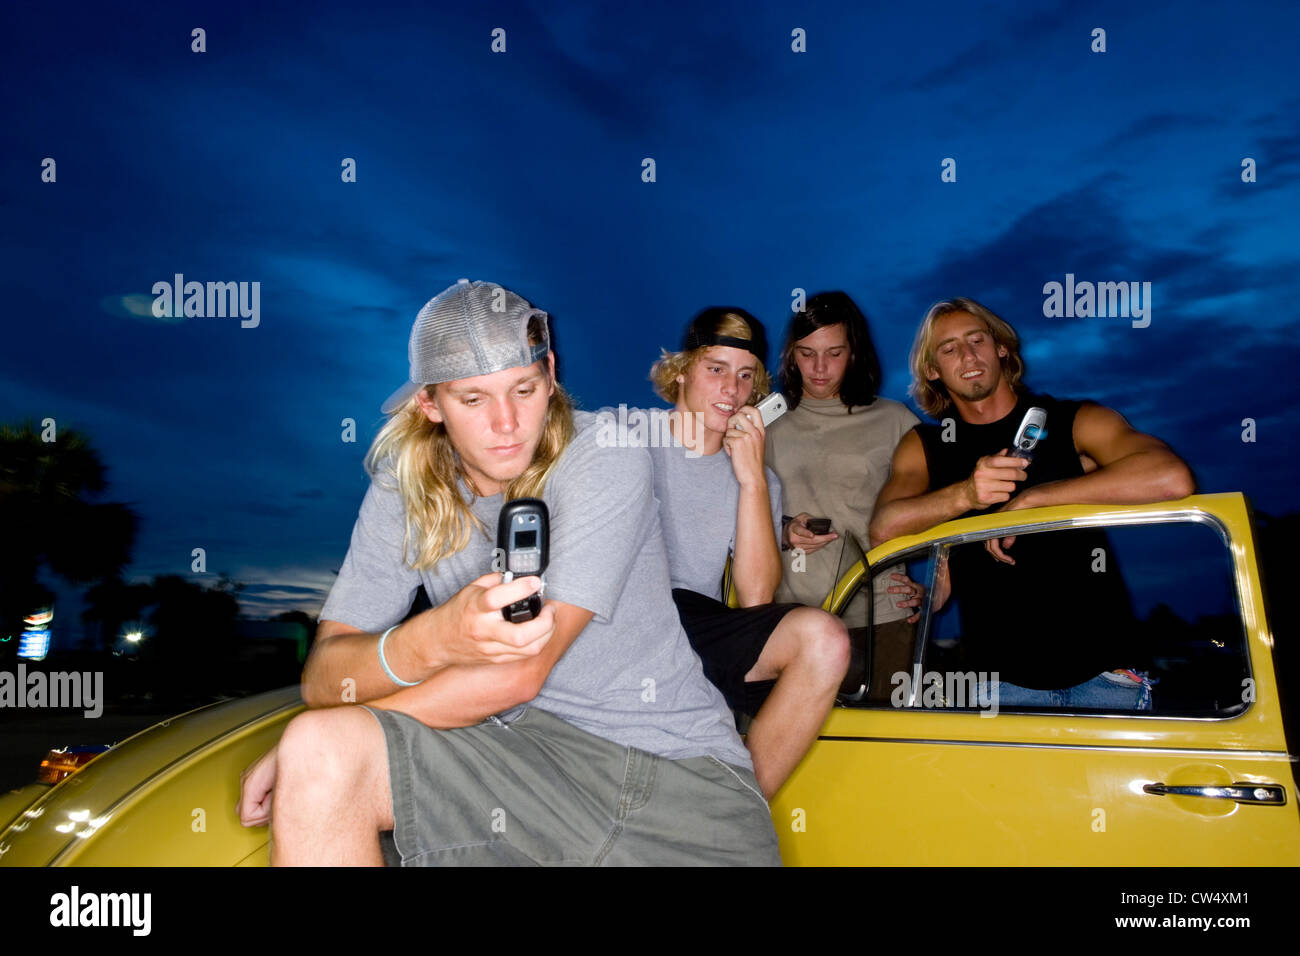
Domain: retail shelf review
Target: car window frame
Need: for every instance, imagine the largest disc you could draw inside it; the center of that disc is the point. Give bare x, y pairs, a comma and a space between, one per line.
939, 547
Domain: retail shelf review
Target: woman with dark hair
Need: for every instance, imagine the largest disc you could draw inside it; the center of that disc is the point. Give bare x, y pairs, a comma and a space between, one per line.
854, 383
832, 453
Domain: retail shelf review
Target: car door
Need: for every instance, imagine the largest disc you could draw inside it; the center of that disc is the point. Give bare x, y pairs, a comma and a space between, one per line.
934, 768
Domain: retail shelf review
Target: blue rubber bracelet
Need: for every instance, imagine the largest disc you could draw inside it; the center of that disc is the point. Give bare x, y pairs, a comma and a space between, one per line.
384, 664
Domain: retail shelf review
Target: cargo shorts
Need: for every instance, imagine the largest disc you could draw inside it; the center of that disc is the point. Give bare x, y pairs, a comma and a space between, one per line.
539, 791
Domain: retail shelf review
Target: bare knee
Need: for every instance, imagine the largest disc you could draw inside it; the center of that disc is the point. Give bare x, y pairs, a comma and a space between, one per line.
332, 757
823, 644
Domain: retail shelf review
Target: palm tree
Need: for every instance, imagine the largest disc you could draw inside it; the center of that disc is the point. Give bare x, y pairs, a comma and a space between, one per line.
50, 521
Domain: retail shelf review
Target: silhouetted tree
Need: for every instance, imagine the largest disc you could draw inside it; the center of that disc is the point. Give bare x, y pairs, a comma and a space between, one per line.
51, 521
111, 604
191, 640
299, 617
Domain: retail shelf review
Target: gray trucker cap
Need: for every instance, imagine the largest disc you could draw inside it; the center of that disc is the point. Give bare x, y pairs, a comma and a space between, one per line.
469, 329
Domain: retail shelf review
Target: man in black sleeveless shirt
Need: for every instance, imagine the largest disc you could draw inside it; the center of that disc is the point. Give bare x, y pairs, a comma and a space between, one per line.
1036, 613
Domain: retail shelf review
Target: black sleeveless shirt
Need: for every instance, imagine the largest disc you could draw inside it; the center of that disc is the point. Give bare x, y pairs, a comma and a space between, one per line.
1049, 621
1055, 458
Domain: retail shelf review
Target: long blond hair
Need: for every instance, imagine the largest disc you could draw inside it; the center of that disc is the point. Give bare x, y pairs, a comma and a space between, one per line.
933, 396
417, 456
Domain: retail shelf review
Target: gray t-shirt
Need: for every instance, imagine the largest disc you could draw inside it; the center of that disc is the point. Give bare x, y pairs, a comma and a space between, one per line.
699, 495
630, 676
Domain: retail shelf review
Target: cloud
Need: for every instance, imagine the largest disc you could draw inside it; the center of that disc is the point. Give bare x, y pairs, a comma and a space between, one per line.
1000, 44
136, 305
1276, 151
1081, 232
1154, 124
1213, 355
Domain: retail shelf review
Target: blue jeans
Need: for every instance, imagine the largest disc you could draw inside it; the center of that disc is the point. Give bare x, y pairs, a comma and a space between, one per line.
1100, 693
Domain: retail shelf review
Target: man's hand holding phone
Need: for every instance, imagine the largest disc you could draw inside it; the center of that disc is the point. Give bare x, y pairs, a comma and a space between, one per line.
1034, 428
994, 480
745, 442
470, 629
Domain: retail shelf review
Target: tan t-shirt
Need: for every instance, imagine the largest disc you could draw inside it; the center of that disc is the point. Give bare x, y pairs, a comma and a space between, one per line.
832, 464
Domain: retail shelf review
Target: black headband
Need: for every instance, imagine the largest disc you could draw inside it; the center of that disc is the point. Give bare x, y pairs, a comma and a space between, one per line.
700, 333
703, 341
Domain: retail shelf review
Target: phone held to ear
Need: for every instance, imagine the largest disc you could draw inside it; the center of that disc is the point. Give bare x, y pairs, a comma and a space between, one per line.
771, 408
523, 545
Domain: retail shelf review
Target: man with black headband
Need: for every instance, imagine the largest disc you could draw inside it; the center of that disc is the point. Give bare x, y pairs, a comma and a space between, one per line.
782, 664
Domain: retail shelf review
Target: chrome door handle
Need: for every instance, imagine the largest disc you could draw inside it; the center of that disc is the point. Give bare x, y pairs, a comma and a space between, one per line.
1269, 795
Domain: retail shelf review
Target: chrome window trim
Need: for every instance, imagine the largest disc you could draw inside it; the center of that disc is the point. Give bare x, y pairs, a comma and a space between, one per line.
1112, 748
1015, 711
1105, 520
930, 552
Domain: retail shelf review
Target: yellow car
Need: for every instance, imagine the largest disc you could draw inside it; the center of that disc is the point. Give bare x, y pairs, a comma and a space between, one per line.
927, 769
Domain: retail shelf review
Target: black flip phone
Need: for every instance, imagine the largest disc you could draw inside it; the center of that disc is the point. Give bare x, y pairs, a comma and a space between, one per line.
818, 525
523, 544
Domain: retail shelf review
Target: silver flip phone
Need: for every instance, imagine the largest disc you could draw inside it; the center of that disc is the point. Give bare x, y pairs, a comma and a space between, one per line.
771, 408
1032, 428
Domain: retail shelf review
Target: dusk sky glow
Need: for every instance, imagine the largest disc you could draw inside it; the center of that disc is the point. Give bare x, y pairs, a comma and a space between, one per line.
774, 170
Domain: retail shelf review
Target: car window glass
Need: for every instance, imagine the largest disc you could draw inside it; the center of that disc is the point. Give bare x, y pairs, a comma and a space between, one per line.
1131, 619
887, 650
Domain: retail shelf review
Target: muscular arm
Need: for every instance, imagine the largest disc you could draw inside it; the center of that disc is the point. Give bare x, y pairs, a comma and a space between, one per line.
1133, 467
903, 505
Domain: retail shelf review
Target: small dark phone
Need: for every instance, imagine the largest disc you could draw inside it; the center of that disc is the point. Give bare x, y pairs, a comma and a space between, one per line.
819, 525
523, 545
1032, 428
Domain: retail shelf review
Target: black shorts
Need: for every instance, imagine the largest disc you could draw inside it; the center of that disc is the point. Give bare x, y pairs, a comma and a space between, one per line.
729, 641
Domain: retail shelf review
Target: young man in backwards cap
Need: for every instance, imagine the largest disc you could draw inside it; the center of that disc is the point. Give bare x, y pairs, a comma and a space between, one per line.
587, 735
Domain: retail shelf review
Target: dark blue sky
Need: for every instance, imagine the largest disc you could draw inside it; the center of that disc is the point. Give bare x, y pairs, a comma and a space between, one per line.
775, 170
